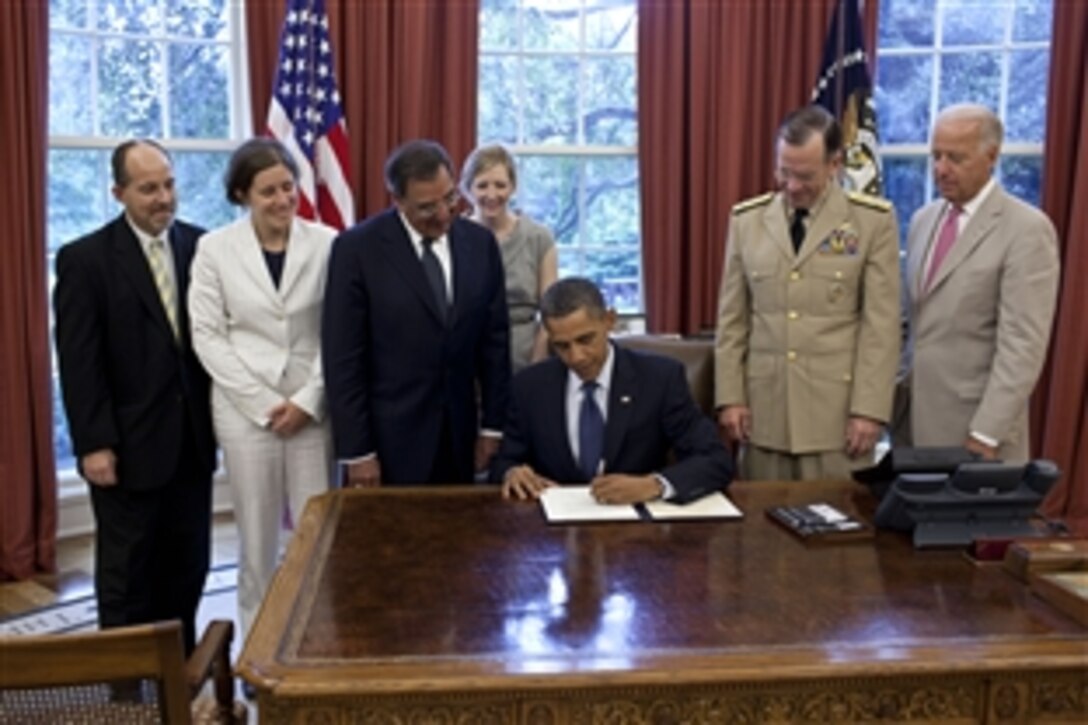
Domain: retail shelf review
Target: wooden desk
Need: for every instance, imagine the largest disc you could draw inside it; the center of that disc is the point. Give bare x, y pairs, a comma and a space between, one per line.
453, 606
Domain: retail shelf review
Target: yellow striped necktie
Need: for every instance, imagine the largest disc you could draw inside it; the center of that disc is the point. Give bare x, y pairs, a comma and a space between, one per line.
156, 257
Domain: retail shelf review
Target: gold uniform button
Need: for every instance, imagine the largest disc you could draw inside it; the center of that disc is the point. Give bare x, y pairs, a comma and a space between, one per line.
794, 276
793, 315
847, 377
791, 355
838, 274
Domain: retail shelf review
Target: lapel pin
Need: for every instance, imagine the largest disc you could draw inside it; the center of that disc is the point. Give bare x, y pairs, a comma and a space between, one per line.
625, 399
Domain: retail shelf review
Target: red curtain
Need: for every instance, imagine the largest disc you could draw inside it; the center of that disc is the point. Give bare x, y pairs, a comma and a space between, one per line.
1060, 406
405, 70
715, 80
28, 487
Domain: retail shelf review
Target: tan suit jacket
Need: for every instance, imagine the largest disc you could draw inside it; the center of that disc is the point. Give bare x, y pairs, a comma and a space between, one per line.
979, 333
807, 339
261, 344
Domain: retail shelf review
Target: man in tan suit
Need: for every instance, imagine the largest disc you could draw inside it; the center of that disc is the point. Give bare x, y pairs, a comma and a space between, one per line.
808, 323
982, 276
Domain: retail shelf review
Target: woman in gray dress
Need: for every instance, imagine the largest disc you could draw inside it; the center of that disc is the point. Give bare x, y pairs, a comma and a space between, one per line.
489, 180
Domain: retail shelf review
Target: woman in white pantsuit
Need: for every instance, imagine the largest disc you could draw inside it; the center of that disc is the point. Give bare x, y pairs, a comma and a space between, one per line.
255, 304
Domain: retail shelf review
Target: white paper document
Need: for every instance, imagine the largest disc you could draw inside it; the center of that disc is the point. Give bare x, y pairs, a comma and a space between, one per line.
712, 506
575, 504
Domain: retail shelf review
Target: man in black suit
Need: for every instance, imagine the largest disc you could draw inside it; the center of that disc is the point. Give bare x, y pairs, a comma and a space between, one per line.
137, 399
601, 414
415, 332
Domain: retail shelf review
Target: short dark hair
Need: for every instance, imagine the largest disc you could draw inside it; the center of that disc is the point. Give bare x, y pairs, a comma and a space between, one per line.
799, 126
417, 160
569, 295
250, 159
120, 155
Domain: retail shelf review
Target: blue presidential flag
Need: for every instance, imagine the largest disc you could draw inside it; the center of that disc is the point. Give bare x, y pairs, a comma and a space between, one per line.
845, 89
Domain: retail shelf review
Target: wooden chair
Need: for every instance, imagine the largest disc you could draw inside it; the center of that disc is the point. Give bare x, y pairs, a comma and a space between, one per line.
132, 674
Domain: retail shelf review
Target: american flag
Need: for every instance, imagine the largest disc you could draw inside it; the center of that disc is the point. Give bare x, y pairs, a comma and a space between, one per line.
846, 91
305, 115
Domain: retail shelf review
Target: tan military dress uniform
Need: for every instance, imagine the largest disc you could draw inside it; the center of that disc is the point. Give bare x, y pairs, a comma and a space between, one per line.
808, 339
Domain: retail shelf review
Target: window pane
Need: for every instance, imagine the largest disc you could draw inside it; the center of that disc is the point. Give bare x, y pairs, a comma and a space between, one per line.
129, 88
1022, 177
70, 87
198, 18
609, 27
906, 23
1032, 20
551, 24
129, 16
618, 274
67, 14
609, 101
612, 204
201, 199
78, 198
499, 29
971, 22
971, 78
1025, 116
548, 192
551, 87
902, 98
199, 91
497, 114
905, 186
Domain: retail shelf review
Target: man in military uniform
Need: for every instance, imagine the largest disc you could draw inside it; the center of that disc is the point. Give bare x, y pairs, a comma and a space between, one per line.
808, 315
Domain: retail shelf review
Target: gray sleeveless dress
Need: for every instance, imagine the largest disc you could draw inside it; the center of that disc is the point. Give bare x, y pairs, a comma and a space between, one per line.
522, 255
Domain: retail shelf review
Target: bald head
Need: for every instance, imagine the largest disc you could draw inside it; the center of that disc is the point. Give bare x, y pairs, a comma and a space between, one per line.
965, 145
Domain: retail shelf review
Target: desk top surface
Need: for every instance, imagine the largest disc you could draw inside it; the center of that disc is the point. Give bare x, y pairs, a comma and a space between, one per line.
465, 584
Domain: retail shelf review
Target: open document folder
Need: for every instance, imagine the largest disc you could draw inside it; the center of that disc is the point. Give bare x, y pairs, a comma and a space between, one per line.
569, 504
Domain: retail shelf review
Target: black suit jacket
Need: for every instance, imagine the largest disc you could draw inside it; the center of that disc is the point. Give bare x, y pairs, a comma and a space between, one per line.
650, 413
128, 383
396, 365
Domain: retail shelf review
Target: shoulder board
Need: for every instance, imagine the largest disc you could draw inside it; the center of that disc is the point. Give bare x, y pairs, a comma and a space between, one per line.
753, 203
873, 202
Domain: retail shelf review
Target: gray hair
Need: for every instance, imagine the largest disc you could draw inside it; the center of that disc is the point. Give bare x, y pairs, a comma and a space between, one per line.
991, 132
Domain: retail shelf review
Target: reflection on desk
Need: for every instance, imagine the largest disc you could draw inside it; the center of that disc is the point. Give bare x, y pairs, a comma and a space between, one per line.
397, 604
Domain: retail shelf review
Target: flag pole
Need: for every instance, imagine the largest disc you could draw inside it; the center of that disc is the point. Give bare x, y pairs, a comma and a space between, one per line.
840, 77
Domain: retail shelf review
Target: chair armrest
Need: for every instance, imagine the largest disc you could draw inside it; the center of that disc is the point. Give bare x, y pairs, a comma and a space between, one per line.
212, 657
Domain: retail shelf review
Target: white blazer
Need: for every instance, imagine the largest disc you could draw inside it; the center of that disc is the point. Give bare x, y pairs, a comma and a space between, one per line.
261, 344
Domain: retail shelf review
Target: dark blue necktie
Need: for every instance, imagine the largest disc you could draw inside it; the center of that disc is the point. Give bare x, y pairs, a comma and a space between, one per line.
433, 269
590, 432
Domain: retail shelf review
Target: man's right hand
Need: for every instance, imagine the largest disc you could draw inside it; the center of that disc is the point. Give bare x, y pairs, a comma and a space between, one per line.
736, 421
100, 467
366, 473
523, 482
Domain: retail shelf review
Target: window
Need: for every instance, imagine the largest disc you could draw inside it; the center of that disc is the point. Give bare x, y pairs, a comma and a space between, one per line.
125, 68
933, 53
557, 86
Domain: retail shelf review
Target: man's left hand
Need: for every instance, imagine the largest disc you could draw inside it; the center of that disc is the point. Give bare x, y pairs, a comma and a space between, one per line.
980, 449
620, 488
486, 448
861, 435
286, 419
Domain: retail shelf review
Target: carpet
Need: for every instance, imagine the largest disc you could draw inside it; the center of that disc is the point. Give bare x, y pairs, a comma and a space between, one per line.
81, 614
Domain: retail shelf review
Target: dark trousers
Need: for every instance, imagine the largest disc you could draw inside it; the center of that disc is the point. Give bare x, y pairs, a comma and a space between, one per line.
152, 549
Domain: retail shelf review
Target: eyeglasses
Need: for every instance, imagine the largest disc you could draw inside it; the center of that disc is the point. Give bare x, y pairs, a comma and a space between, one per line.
431, 209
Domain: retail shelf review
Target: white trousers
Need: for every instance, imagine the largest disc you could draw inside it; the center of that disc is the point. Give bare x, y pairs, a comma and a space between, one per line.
265, 472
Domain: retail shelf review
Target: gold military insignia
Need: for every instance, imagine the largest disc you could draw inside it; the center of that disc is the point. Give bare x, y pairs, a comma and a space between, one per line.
753, 203
873, 202
843, 240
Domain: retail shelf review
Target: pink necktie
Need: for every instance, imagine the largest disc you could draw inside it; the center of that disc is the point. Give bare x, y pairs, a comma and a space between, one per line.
945, 240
